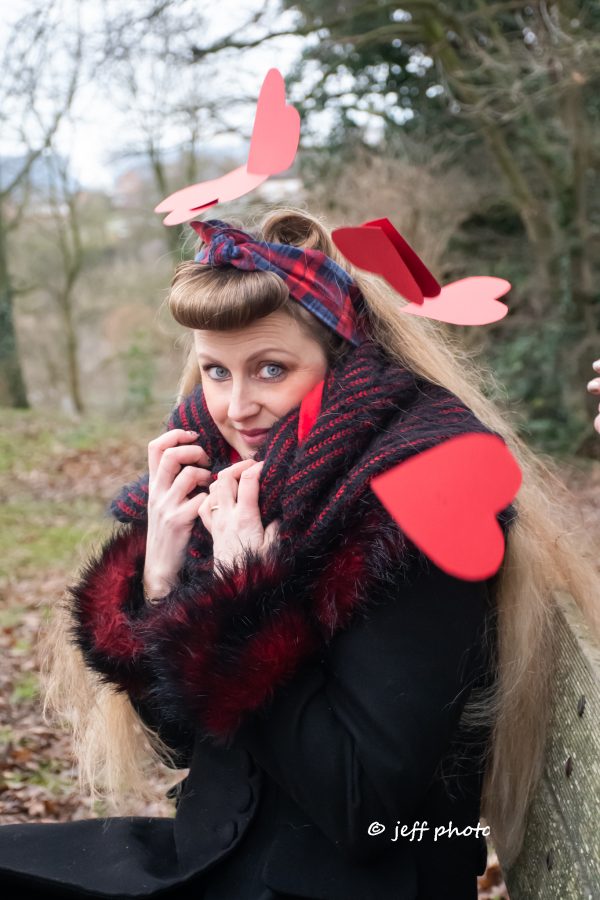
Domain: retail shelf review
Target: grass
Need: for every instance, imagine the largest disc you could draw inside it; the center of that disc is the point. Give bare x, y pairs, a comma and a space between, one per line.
26, 688
38, 531
37, 535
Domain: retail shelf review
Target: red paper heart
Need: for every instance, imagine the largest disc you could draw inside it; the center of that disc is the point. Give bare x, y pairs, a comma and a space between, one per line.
273, 146
469, 301
185, 204
428, 285
446, 500
276, 129
377, 247
309, 410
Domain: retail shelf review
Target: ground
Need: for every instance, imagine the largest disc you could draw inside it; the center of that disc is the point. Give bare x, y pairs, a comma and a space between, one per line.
56, 479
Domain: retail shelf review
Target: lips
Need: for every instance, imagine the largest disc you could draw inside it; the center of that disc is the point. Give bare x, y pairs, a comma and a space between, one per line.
255, 432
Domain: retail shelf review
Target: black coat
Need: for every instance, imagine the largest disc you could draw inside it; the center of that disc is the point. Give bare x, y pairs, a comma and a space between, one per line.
368, 734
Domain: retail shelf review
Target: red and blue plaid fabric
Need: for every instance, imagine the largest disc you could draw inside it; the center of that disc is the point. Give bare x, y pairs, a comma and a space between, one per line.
313, 279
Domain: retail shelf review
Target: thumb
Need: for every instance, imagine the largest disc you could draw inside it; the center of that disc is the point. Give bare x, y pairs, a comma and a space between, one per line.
272, 530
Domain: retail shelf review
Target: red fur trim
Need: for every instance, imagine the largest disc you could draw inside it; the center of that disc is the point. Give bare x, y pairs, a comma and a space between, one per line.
336, 588
103, 592
266, 662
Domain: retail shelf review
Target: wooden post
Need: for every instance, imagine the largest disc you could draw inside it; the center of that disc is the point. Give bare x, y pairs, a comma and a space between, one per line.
560, 857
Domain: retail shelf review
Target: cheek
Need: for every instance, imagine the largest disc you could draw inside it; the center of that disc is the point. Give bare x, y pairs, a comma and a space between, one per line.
214, 404
292, 392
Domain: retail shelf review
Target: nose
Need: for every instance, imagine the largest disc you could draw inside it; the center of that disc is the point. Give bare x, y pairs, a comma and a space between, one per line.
243, 403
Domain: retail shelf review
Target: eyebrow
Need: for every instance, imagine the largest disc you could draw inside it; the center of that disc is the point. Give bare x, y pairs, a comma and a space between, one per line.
254, 355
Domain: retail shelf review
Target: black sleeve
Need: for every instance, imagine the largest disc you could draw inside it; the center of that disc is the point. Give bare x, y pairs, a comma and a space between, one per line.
356, 737
177, 736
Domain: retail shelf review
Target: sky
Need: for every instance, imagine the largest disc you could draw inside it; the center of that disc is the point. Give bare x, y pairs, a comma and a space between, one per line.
95, 144
100, 126
100, 123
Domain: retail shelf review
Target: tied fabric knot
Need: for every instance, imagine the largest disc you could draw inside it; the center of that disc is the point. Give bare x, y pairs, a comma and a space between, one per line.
313, 279
226, 244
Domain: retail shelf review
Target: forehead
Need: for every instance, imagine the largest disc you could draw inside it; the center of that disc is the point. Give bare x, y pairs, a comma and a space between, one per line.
207, 353
268, 335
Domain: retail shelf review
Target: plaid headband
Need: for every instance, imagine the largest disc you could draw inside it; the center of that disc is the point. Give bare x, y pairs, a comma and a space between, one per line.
312, 278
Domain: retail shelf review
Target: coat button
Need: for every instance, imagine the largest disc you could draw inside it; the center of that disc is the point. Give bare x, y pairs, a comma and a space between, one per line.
227, 832
246, 796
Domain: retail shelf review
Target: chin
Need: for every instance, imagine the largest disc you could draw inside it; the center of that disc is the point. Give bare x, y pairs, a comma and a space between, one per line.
245, 451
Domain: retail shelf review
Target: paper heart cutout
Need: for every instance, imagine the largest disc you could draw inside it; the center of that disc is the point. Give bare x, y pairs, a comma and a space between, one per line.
276, 131
446, 499
469, 301
273, 147
379, 248
185, 204
309, 410
428, 285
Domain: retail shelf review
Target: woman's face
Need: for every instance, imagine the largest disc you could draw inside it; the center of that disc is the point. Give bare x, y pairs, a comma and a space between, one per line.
254, 375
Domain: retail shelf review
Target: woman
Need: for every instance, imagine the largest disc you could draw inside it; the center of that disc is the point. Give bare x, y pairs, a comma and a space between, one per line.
347, 711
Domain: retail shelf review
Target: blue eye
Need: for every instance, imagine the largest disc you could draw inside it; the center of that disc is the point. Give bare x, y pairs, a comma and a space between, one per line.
206, 368
274, 366
271, 377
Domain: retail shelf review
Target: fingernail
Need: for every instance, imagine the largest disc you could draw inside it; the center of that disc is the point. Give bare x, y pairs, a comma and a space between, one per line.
596, 365
594, 383
192, 433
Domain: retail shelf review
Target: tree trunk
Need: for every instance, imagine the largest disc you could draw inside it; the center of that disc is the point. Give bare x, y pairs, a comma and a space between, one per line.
12, 385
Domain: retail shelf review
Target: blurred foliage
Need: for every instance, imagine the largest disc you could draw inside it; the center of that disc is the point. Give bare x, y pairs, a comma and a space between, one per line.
487, 142
510, 93
140, 369
26, 688
34, 534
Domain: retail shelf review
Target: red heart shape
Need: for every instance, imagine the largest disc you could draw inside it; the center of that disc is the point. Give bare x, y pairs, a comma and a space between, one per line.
429, 286
377, 247
276, 130
309, 410
273, 148
469, 301
185, 204
446, 499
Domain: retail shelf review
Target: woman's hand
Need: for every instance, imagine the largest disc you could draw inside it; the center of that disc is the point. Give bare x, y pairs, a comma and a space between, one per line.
594, 388
171, 515
236, 522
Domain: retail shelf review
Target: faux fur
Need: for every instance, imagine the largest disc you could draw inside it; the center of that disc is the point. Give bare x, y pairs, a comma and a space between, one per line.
221, 643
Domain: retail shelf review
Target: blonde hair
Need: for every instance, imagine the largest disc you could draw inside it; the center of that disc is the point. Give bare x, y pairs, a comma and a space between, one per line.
546, 550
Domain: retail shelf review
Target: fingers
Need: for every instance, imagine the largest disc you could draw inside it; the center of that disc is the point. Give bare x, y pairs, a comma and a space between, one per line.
593, 386
272, 532
189, 478
171, 439
172, 461
227, 493
248, 490
224, 490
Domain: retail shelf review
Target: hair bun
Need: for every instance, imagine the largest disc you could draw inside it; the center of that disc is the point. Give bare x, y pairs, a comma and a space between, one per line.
296, 227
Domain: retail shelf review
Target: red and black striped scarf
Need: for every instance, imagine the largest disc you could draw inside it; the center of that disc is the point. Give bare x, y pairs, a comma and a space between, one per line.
218, 646
374, 413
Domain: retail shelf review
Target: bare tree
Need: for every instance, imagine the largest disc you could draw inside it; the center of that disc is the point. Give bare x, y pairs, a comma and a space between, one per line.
64, 216
40, 64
